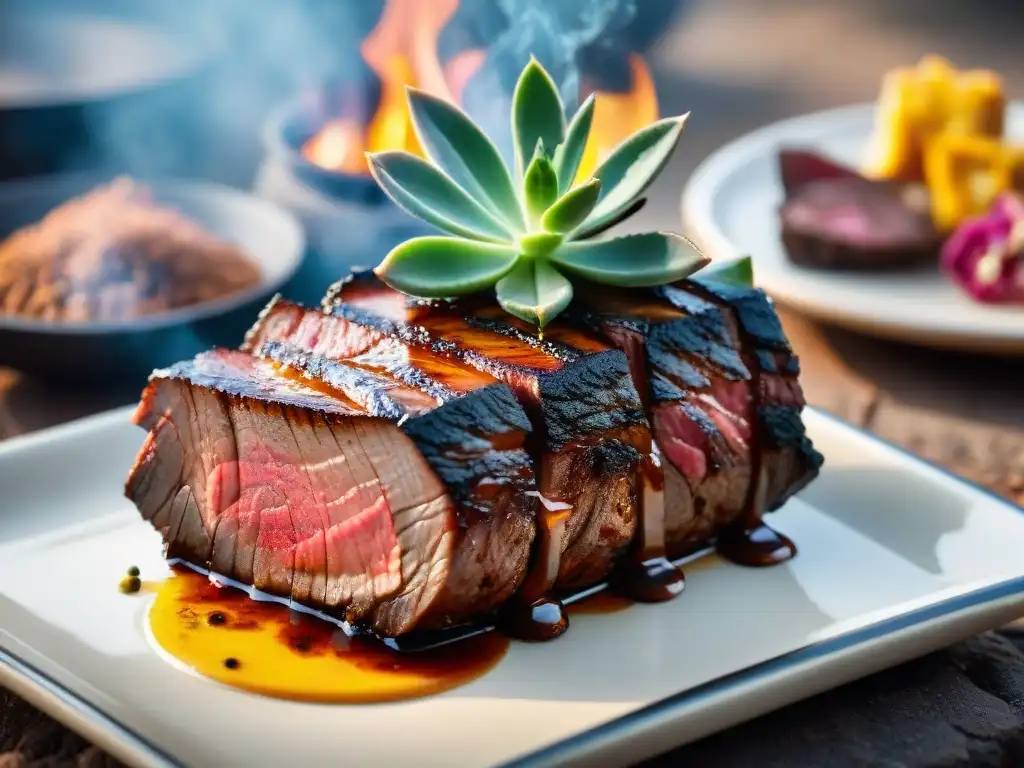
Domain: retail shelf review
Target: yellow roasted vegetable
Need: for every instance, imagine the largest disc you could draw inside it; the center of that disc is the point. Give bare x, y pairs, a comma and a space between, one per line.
965, 173
919, 103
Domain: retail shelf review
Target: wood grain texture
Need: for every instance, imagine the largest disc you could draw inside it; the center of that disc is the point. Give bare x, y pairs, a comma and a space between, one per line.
964, 413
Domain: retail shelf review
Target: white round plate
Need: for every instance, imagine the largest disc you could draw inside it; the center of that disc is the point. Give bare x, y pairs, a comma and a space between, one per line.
730, 209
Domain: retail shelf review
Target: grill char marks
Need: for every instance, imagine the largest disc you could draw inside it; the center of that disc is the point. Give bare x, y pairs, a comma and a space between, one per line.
372, 458
390, 368
686, 360
299, 491
473, 442
788, 460
590, 436
377, 395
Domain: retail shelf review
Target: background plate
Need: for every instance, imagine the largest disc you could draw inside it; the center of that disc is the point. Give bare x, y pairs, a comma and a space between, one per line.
897, 559
730, 208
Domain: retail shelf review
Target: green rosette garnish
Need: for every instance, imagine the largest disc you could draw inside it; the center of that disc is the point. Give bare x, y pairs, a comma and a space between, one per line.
526, 231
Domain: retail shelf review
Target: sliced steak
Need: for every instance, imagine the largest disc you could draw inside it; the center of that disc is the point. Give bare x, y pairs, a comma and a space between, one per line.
686, 359
401, 511
590, 437
787, 460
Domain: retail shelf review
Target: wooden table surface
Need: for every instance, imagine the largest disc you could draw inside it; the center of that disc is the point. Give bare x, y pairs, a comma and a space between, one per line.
964, 413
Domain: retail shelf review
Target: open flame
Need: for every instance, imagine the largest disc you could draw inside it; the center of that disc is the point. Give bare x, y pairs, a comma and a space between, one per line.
618, 115
402, 50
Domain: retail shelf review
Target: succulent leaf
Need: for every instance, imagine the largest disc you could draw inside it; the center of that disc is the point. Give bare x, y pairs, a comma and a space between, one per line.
440, 267
569, 211
539, 243
632, 166
540, 184
526, 242
537, 113
738, 272
423, 191
455, 144
534, 291
651, 258
569, 153
585, 233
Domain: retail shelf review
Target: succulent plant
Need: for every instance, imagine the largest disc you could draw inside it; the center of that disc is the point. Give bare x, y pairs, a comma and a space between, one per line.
526, 239
738, 272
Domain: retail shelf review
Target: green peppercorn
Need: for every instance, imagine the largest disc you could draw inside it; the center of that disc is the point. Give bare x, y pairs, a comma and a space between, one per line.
130, 584
133, 570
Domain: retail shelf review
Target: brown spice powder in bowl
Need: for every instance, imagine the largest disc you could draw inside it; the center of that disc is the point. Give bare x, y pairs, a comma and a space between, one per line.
115, 255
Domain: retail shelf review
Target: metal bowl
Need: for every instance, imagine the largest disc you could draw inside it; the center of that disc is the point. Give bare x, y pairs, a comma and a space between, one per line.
64, 83
285, 132
124, 353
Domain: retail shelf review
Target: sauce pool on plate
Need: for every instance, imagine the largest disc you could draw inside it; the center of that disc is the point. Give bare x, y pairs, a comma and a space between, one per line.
264, 647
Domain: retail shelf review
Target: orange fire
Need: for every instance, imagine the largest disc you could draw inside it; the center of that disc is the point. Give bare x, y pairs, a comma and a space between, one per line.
618, 115
402, 50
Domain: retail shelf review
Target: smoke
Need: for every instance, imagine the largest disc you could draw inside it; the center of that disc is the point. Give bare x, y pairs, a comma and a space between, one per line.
556, 34
257, 55
248, 58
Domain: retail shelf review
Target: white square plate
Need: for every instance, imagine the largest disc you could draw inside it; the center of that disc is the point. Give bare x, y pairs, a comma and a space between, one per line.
896, 559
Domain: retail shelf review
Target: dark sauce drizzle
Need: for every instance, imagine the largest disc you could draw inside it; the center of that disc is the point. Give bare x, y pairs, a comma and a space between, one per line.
649, 581
750, 541
646, 575
538, 621
535, 614
755, 545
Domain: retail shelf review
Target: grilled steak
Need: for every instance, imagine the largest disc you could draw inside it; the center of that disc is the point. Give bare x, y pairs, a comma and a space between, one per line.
372, 457
590, 438
787, 461
687, 361
720, 385
401, 509
835, 218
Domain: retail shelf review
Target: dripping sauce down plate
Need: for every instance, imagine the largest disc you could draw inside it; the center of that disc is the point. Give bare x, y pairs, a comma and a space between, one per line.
730, 207
897, 558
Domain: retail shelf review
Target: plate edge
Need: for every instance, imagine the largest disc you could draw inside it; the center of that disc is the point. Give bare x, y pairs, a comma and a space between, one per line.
570, 749
913, 457
585, 748
697, 214
72, 428
582, 748
88, 720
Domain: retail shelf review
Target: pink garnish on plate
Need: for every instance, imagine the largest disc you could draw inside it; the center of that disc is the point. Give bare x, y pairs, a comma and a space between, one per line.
985, 254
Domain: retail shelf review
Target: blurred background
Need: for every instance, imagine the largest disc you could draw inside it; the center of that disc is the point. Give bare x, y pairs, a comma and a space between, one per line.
202, 97
279, 98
